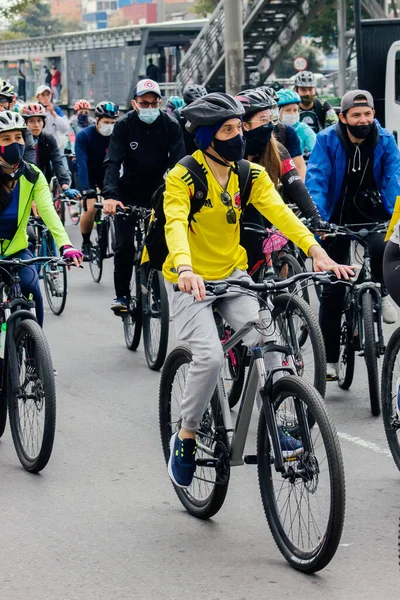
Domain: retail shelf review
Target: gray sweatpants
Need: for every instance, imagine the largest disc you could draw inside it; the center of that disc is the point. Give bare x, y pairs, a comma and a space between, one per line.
195, 325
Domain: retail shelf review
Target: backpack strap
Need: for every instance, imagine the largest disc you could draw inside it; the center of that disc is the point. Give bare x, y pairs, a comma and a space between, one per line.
319, 109
245, 182
199, 182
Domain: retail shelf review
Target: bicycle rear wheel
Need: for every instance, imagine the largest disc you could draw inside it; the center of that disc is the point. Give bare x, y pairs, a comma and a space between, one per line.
285, 266
54, 277
370, 352
132, 319
305, 505
155, 321
32, 410
3, 411
206, 495
389, 395
298, 328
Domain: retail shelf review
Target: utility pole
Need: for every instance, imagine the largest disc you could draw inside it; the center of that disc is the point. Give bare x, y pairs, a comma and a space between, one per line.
234, 51
341, 21
160, 11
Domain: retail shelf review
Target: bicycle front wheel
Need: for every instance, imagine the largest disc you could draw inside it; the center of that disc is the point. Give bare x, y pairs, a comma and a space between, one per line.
370, 352
206, 495
96, 256
305, 505
346, 354
390, 393
32, 409
285, 266
298, 328
155, 321
132, 320
3, 411
54, 277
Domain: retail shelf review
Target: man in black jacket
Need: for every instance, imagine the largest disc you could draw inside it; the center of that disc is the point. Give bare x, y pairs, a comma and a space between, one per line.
146, 142
48, 155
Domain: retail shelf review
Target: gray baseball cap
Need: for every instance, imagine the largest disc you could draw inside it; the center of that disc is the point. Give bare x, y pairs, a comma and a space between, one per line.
349, 100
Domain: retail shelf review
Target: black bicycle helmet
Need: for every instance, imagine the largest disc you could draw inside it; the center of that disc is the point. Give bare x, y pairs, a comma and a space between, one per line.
106, 109
212, 109
305, 79
193, 92
254, 101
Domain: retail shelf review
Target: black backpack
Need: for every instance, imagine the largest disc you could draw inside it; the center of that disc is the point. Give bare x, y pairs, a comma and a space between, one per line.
155, 238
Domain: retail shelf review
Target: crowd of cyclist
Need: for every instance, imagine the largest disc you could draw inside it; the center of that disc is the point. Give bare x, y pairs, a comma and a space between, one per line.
336, 170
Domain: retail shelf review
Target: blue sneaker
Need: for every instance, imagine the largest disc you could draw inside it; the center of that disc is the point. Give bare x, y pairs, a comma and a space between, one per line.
289, 445
119, 304
182, 460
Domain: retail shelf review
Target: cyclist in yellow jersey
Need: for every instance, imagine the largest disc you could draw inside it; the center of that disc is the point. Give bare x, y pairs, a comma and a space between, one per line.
210, 250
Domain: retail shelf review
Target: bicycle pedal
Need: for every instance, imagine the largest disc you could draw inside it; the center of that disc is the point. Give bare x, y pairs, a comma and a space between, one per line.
206, 462
251, 459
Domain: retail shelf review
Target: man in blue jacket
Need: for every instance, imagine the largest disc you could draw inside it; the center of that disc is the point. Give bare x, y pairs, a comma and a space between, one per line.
353, 177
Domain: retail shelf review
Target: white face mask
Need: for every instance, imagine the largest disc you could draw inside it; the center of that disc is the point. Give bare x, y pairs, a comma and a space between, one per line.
106, 129
290, 118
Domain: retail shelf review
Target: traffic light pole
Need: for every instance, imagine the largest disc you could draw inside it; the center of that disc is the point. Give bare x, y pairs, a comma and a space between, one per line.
341, 20
234, 51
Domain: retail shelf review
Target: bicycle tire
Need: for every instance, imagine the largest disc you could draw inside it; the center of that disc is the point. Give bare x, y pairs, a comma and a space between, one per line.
211, 504
327, 543
370, 353
133, 320
155, 349
390, 419
287, 306
39, 363
346, 360
237, 374
3, 411
51, 274
294, 268
96, 257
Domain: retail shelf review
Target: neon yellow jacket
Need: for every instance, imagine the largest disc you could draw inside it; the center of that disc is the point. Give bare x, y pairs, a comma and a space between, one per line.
210, 244
33, 186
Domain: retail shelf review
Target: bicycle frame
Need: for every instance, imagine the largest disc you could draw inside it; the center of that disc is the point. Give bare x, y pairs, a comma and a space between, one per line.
258, 381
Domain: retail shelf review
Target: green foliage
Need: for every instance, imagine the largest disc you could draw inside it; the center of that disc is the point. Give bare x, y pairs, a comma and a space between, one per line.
324, 26
14, 8
36, 20
285, 69
204, 7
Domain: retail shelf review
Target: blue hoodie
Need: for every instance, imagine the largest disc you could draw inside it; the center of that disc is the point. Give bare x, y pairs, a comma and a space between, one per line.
326, 170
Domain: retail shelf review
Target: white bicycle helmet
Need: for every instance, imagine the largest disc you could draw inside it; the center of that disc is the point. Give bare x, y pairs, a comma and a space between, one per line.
6, 89
305, 79
10, 121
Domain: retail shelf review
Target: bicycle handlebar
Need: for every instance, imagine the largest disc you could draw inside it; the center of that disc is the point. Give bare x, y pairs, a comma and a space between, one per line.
361, 234
219, 288
128, 210
18, 262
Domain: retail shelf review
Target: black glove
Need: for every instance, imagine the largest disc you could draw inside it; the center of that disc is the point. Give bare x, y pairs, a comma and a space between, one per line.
317, 224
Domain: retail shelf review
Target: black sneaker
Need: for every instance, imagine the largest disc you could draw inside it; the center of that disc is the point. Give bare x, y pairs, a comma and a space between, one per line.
119, 304
87, 251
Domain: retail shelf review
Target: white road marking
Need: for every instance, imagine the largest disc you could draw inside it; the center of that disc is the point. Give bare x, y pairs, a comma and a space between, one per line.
364, 443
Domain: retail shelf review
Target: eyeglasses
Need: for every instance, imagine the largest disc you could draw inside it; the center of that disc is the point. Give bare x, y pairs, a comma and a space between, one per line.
145, 104
227, 201
4, 101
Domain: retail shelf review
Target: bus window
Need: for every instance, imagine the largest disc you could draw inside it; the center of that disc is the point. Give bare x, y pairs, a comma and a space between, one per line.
397, 79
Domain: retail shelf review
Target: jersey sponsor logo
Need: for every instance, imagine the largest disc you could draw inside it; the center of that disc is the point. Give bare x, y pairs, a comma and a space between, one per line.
236, 200
134, 145
208, 203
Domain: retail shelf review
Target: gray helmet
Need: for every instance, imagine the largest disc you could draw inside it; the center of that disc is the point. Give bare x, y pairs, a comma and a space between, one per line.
211, 109
10, 121
305, 79
193, 92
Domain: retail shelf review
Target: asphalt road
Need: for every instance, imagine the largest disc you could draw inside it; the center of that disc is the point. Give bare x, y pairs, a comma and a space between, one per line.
102, 521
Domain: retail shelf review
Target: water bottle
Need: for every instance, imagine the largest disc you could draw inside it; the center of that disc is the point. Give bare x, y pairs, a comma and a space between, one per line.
3, 332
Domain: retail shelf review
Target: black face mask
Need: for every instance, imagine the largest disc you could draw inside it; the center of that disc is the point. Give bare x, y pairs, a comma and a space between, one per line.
360, 132
257, 139
231, 150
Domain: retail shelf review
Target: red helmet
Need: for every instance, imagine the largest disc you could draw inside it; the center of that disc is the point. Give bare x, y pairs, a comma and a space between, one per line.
34, 109
81, 104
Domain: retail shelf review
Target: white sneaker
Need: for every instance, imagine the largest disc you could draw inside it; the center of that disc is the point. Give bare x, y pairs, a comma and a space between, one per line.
389, 313
331, 371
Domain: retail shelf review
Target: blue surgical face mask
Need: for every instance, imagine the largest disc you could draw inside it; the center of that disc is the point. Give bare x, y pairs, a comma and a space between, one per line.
149, 115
